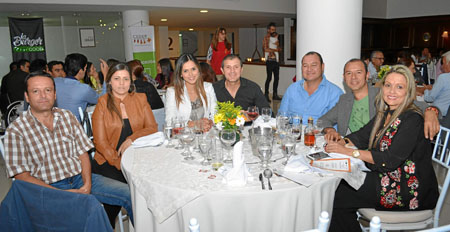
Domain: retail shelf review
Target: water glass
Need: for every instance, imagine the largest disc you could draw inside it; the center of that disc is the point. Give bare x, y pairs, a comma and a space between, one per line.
168, 132
204, 143
318, 128
266, 113
265, 145
228, 138
177, 125
288, 147
187, 137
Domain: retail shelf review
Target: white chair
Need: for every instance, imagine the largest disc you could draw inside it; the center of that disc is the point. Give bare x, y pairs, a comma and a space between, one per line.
324, 220
415, 220
445, 228
160, 118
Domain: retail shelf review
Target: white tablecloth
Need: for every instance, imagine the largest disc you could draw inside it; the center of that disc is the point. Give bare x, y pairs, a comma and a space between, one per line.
167, 192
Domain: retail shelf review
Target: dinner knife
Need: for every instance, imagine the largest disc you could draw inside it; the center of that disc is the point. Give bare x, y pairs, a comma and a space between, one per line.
262, 181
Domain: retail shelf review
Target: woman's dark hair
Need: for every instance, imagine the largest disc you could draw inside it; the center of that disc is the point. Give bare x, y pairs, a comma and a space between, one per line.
215, 39
136, 69
208, 73
87, 78
178, 81
166, 69
407, 61
110, 100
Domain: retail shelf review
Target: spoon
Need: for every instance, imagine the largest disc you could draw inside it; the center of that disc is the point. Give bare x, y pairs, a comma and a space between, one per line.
268, 174
262, 181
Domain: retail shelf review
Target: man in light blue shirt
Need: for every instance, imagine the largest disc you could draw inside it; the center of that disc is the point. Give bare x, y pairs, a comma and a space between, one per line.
314, 95
70, 92
376, 61
439, 95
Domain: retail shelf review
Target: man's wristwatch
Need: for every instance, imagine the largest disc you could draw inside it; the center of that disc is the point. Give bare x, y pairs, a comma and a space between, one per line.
356, 153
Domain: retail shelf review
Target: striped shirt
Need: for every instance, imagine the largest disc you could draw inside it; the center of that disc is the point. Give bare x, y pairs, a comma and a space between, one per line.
50, 156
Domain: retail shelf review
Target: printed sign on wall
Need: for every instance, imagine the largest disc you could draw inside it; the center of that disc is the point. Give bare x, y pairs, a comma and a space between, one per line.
143, 39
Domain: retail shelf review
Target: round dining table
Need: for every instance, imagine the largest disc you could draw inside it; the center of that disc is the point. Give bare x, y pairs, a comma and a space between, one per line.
168, 191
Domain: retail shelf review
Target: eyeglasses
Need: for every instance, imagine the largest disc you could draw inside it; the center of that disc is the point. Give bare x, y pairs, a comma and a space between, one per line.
379, 58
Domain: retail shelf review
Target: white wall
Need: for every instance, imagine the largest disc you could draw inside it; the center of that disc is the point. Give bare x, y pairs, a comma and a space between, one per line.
374, 8
63, 40
416, 8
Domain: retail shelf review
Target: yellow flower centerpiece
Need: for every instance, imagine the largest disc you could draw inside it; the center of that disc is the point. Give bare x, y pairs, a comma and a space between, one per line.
228, 116
383, 70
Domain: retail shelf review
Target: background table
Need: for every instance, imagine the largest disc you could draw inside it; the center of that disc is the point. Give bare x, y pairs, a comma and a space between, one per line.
289, 207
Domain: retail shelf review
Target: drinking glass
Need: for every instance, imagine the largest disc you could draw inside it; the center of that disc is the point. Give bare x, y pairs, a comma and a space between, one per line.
228, 137
288, 146
198, 131
177, 126
318, 127
265, 145
168, 132
187, 137
204, 143
266, 113
252, 113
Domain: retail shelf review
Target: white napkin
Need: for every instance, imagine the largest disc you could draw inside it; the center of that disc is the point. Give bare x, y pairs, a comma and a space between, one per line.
152, 140
237, 176
297, 164
259, 122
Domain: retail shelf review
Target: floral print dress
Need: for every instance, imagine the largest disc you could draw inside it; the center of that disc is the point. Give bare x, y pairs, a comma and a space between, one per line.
402, 164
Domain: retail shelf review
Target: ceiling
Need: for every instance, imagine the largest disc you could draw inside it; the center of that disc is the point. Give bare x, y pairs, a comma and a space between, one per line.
177, 17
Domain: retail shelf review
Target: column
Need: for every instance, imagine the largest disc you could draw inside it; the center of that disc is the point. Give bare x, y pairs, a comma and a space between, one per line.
331, 28
132, 18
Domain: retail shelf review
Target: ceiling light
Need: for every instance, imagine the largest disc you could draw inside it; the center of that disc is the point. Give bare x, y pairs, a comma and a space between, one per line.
191, 29
203, 11
115, 24
99, 20
163, 20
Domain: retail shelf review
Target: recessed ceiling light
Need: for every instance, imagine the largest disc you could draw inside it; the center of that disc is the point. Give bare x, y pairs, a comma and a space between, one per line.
163, 20
100, 20
203, 11
191, 29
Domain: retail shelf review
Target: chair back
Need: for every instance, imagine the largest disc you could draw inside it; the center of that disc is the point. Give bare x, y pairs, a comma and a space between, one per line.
324, 220
86, 123
441, 156
160, 118
13, 111
375, 224
2, 148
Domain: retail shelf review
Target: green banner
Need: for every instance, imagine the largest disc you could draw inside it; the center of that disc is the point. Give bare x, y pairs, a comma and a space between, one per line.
148, 61
29, 49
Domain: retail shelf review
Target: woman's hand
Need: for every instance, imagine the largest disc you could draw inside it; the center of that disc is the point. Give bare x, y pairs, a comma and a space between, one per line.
336, 147
126, 144
104, 68
332, 135
206, 124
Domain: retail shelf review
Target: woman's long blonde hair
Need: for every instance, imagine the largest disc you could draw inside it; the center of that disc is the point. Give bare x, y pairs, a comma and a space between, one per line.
382, 107
178, 82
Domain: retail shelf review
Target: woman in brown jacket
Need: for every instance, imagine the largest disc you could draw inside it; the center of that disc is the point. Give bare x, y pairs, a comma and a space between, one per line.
120, 117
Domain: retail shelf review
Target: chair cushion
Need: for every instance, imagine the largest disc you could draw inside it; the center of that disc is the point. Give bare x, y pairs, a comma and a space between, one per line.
397, 216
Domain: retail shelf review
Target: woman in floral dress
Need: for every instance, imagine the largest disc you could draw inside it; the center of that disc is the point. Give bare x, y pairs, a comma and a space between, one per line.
393, 146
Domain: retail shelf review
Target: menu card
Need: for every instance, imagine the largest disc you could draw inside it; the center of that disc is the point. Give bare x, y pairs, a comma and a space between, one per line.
338, 164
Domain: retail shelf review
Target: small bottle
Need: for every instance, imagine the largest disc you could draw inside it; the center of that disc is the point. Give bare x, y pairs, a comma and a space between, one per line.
310, 138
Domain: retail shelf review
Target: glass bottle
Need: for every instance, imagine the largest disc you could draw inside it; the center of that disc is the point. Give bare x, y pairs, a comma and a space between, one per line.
309, 136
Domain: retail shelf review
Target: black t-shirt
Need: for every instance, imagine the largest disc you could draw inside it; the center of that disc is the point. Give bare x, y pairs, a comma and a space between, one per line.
153, 97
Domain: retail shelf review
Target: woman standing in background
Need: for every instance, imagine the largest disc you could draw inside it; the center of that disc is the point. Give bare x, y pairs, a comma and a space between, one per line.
220, 47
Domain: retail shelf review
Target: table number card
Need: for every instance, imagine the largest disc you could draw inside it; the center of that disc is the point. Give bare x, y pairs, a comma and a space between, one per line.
338, 164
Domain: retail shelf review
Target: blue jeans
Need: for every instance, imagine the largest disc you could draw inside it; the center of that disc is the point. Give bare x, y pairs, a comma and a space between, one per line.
106, 190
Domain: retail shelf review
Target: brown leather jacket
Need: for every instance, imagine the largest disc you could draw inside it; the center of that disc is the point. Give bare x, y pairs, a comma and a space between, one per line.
107, 126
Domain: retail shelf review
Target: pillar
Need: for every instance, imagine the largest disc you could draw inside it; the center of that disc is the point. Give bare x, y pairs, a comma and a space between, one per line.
132, 18
331, 28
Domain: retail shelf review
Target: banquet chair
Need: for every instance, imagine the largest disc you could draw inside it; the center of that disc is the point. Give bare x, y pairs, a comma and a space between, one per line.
324, 220
421, 219
160, 118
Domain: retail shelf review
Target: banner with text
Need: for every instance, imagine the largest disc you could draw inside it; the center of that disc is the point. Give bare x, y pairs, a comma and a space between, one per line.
27, 38
143, 41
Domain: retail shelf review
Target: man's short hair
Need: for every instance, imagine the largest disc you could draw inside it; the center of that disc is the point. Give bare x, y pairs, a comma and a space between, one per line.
372, 55
230, 57
356, 60
314, 53
111, 62
447, 57
36, 74
13, 66
23, 62
271, 24
38, 65
53, 63
73, 63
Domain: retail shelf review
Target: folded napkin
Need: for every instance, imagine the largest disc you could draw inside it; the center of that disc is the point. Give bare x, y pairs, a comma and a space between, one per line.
297, 164
239, 174
259, 122
152, 140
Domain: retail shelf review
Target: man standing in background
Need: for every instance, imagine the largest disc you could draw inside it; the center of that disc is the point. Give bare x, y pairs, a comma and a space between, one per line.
272, 64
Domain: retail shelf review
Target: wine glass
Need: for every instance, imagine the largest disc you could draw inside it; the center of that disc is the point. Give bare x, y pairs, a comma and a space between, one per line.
265, 145
266, 113
288, 146
187, 137
168, 132
253, 113
318, 127
177, 126
204, 143
228, 137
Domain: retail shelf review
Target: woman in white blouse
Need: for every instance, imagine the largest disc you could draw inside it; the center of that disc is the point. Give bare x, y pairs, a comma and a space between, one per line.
188, 97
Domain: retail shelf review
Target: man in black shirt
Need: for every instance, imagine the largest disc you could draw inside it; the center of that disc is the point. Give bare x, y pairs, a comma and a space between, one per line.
234, 88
